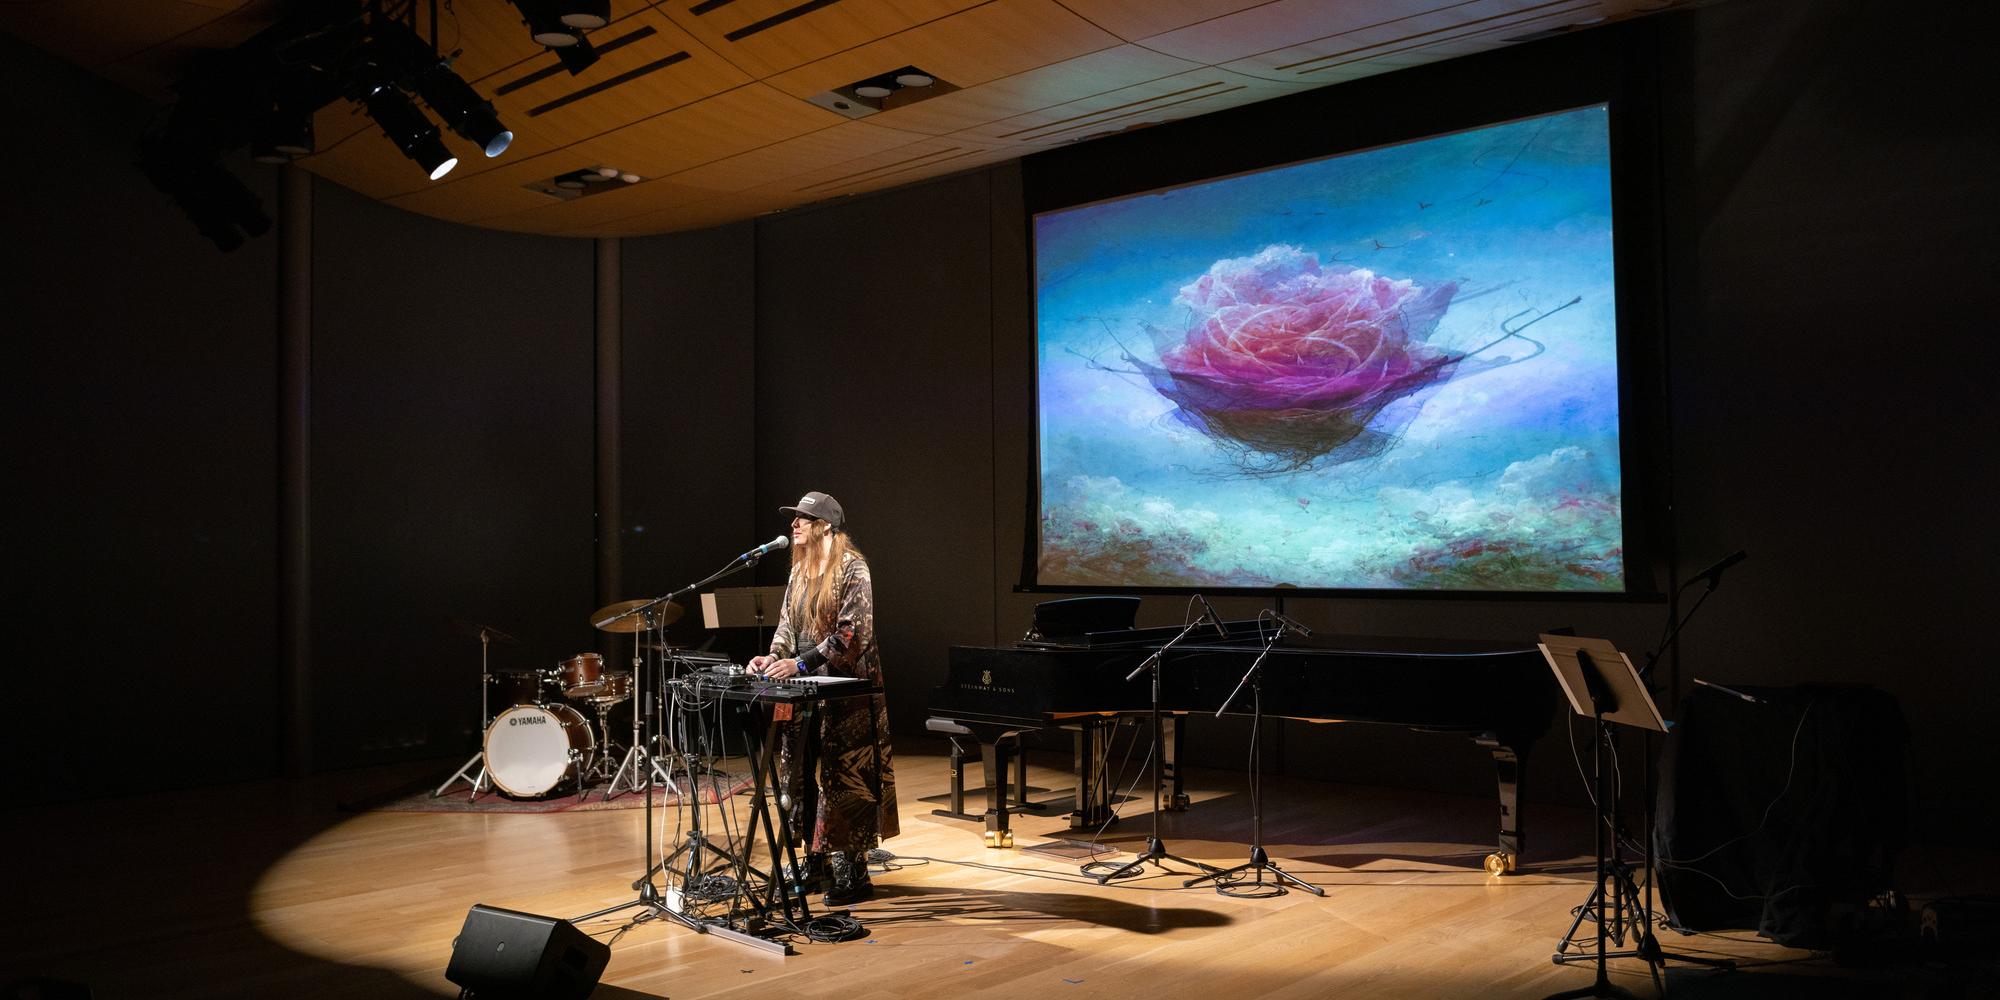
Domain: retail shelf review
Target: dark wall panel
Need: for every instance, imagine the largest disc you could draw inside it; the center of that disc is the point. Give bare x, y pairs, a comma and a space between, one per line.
689, 418
874, 382
451, 469
1830, 414
140, 459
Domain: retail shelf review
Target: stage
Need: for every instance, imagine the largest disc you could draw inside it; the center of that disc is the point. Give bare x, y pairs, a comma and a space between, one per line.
273, 889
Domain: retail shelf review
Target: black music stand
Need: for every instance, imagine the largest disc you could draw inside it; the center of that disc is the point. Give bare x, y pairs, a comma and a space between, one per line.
1602, 684
743, 607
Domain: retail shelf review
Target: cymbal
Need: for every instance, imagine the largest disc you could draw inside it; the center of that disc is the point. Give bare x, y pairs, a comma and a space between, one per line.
660, 616
474, 630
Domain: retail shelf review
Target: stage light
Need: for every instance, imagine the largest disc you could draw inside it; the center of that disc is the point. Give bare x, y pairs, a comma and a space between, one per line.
545, 26
410, 130
282, 133
578, 57
463, 110
584, 13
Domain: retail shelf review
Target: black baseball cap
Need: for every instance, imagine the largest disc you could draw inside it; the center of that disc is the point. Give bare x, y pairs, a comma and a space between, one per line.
821, 507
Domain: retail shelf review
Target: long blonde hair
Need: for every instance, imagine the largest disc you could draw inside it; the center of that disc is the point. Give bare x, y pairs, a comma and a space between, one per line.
817, 565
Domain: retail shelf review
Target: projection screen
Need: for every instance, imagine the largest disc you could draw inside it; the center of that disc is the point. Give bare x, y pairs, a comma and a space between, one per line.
1392, 369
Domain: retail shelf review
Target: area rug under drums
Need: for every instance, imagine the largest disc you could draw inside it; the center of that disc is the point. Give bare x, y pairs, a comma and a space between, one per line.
712, 787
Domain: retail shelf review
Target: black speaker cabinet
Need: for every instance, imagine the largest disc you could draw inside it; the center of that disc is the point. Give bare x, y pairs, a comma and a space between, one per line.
1784, 815
504, 954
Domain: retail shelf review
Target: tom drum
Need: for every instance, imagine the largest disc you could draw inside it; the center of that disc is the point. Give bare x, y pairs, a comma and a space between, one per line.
581, 675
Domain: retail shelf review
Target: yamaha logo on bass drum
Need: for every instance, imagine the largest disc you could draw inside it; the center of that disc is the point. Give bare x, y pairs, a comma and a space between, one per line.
528, 720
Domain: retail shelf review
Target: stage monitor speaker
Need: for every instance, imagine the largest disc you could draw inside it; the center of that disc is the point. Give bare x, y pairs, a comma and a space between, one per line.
1782, 810
503, 954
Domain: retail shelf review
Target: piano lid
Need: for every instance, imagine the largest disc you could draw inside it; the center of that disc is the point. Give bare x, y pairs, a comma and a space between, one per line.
1255, 632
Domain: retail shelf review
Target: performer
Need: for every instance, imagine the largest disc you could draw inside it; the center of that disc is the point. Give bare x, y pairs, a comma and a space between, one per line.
827, 626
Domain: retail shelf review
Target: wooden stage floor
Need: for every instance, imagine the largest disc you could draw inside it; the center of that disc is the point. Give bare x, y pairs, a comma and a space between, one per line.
268, 889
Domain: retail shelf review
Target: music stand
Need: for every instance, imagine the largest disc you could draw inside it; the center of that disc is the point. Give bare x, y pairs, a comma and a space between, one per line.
1602, 685
742, 607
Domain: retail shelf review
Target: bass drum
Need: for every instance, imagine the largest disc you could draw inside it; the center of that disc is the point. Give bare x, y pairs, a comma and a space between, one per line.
537, 750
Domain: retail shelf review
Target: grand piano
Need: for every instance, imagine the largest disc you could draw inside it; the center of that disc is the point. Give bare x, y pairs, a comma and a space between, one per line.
1500, 695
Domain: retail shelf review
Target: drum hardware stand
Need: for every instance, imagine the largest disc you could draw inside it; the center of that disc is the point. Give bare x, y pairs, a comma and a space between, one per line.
1156, 849
1229, 882
650, 897
640, 770
478, 782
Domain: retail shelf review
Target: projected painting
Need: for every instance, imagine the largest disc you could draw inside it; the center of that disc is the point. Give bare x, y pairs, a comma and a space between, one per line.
1392, 369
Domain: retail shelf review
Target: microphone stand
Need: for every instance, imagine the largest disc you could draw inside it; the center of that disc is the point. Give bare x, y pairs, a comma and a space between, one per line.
650, 897
1645, 946
1230, 879
1156, 850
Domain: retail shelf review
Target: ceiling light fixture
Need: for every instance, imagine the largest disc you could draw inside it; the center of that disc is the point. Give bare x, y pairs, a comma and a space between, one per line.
410, 130
577, 57
584, 13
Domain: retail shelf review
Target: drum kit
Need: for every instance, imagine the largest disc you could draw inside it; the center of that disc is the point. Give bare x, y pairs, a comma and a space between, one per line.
539, 743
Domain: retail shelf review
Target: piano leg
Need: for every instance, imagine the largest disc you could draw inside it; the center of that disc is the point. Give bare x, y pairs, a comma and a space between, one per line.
993, 759
1093, 787
1507, 762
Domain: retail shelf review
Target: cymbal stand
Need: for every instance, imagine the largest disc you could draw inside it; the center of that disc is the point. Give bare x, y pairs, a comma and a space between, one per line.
1231, 881
650, 897
479, 782
1156, 849
640, 769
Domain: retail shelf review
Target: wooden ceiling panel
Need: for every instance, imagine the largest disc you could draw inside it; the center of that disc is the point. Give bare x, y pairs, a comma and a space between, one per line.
661, 69
767, 37
886, 168
732, 122
489, 37
1284, 24
1094, 73
793, 157
622, 202
709, 209
1413, 32
1135, 20
989, 42
1194, 92
706, 99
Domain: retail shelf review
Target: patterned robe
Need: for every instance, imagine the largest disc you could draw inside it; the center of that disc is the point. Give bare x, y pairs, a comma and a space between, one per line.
857, 784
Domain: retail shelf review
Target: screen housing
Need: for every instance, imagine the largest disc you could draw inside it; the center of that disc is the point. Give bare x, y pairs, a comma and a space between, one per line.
1604, 67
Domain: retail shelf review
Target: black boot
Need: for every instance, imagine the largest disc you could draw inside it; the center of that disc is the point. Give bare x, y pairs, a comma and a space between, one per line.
850, 880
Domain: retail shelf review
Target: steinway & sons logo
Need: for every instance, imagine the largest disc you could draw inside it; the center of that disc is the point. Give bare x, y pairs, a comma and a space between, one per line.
986, 684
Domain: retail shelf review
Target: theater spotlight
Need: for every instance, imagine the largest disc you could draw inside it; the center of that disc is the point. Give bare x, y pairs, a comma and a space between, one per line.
410, 130
462, 109
584, 13
281, 133
545, 25
578, 57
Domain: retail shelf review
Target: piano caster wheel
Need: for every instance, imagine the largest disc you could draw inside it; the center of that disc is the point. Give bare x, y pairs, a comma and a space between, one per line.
1500, 864
999, 839
1177, 803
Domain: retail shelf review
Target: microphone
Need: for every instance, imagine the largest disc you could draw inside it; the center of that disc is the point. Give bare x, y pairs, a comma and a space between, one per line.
1213, 618
1713, 574
1289, 622
780, 542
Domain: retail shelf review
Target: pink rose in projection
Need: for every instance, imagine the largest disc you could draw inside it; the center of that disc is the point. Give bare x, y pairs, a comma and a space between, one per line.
1292, 362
